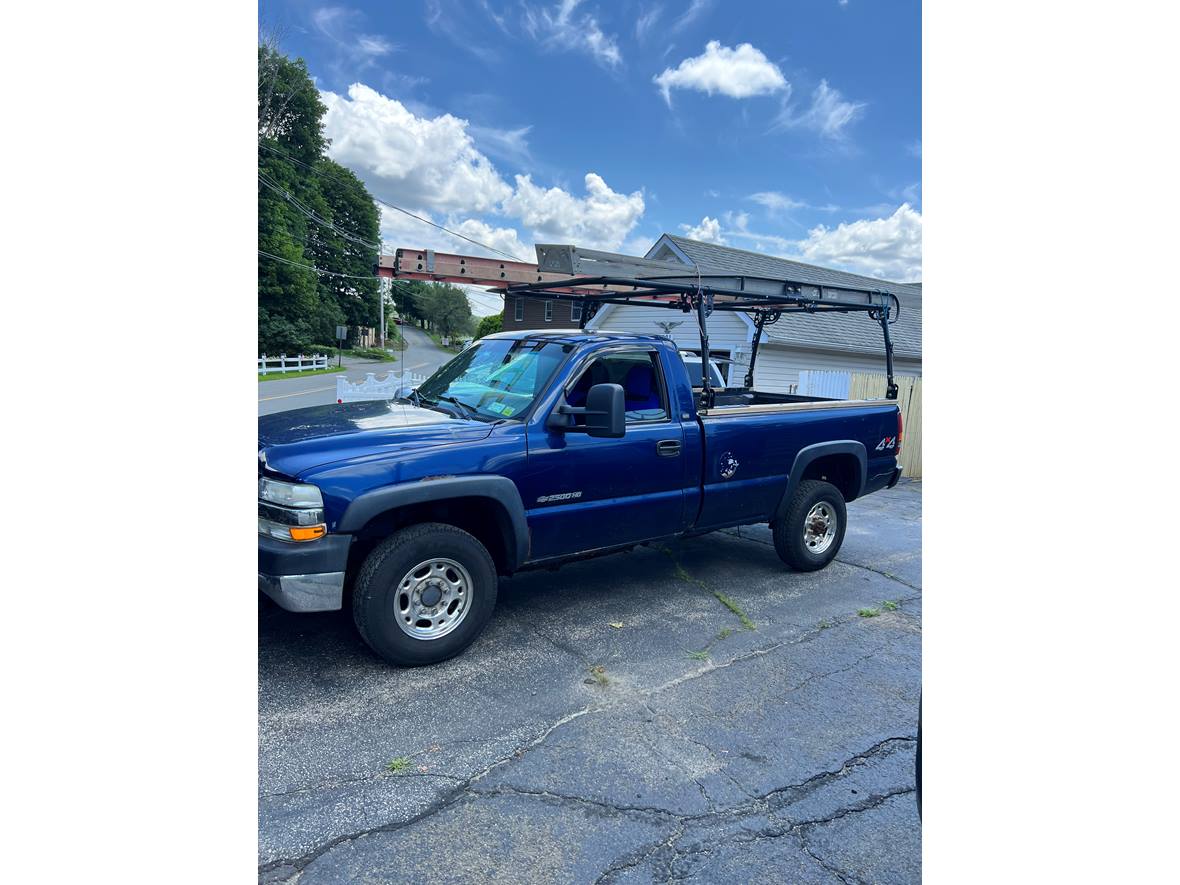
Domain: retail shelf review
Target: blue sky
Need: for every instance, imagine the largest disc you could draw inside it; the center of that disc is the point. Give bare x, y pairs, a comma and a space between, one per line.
792, 128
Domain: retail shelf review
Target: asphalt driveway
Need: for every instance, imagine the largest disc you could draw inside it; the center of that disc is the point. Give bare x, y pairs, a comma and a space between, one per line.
619, 721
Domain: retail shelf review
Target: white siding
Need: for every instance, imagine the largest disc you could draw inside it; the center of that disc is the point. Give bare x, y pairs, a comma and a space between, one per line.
777, 369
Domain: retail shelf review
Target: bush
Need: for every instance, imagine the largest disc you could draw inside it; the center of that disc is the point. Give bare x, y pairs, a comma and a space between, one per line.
489, 325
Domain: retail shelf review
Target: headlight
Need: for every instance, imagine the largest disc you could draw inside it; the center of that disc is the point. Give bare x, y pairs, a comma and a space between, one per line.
289, 494
290, 511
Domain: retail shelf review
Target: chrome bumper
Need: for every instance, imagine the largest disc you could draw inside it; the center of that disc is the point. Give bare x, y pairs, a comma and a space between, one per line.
323, 592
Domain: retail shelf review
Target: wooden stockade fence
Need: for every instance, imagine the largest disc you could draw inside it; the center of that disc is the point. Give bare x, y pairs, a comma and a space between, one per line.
865, 385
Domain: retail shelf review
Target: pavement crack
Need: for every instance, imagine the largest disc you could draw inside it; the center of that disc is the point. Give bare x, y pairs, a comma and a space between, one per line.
867, 568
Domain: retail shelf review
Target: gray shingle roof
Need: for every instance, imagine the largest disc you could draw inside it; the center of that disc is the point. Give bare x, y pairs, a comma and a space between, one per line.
833, 331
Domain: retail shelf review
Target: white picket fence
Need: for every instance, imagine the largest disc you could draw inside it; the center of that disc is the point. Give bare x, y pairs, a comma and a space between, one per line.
284, 363
392, 385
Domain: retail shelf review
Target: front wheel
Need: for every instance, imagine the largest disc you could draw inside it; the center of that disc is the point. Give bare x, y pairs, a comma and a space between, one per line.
424, 594
811, 531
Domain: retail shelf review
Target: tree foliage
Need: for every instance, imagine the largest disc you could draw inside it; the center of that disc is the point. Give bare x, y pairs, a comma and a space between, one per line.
490, 325
438, 306
311, 211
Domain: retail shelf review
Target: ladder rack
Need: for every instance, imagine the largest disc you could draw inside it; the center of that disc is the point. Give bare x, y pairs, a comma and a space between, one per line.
567, 273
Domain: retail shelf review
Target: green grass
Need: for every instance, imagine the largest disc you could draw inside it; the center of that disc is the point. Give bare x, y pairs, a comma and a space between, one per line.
889, 605
825, 624
398, 765
702, 655
598, 674
724, 632
868, 612
280, 376
726, 601
371, 353
736, 609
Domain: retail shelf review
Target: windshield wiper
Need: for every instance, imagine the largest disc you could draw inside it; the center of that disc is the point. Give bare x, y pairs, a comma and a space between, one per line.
474, 412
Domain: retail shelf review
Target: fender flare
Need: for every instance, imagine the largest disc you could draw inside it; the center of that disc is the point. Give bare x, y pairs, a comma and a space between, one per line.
810, 453
497, 488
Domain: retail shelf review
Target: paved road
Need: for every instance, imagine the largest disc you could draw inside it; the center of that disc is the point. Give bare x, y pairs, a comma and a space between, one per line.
422, 356
783, 754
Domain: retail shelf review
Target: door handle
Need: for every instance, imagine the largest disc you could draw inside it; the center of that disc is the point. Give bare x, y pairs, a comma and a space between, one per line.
668, 448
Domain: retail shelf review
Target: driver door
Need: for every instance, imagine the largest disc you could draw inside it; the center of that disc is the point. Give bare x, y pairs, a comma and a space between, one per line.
585, 493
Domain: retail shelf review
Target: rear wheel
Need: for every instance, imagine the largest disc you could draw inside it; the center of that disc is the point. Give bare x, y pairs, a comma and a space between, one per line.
811, 531
424, 594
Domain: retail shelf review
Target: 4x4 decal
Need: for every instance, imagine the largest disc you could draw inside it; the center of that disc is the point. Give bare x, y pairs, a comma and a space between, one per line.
889, 442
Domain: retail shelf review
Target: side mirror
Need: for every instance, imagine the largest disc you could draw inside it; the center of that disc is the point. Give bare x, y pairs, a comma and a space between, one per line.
605, 413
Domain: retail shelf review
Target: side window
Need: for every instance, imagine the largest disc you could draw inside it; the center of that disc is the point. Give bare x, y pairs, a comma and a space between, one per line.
575, 311
519, 309
637, 372
548, 311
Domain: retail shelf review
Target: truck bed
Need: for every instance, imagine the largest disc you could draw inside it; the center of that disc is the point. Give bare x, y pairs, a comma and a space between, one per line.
746, 402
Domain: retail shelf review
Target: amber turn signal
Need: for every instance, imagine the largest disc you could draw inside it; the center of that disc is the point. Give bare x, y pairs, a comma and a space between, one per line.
308, 532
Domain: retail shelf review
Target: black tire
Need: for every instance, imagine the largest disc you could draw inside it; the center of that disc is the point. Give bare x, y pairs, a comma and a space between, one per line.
376, 592
788, 532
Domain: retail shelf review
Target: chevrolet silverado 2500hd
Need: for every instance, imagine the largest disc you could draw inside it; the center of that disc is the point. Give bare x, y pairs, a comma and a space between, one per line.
534, 448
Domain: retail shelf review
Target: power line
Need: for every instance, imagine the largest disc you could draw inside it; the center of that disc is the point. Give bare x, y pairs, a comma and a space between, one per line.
330, 273
310, 213
446, 230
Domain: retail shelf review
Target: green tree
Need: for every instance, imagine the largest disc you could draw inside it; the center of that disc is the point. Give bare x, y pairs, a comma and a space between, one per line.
489, 325
447, 310
312, 213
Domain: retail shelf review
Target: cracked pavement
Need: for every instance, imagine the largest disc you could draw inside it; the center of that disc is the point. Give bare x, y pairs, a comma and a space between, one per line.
712, 753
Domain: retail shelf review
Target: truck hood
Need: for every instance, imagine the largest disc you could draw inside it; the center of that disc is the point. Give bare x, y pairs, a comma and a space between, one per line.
299, 440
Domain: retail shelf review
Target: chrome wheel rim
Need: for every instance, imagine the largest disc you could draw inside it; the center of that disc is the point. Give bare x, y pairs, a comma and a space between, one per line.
819, 527
433, 598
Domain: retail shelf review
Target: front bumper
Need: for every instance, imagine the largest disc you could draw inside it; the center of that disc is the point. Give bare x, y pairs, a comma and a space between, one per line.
306, 576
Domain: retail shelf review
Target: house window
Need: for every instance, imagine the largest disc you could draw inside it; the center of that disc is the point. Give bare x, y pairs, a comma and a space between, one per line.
576, 311
548, 311
519, 302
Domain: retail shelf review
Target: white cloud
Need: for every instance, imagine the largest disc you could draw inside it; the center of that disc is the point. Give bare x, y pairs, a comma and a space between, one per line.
600, 220
708, 231
695, 10
741, 72
828, 114
645, 21
776, 202
559, 28
889, 248
337, 23
417, 162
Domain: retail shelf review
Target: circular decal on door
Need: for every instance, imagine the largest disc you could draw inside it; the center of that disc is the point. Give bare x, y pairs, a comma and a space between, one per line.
729, 465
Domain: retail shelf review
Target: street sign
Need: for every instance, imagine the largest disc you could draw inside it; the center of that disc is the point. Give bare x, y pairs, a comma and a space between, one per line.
341, 333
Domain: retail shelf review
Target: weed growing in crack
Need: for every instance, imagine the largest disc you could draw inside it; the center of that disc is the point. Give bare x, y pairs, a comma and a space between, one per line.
726, 601
735, 608
702, 655
825, 624
398, 765
889, 605
598, 675
868, 612
724, 632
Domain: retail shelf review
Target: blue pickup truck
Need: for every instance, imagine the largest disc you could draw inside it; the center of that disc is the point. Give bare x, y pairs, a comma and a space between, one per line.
535, 448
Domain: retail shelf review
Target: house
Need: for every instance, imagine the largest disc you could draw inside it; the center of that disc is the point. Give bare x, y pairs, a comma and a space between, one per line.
832, 341
532, 313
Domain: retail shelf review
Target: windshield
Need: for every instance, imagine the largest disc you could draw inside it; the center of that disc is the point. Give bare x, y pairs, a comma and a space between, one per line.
494, 378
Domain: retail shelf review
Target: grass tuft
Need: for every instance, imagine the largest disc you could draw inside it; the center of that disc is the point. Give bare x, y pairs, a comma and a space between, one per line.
598, 674
398, 765
702, 655
868, 612
889, 605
